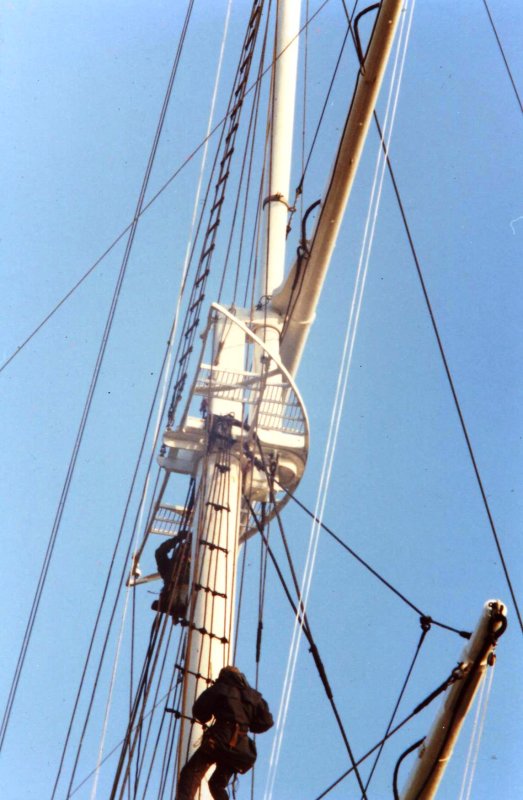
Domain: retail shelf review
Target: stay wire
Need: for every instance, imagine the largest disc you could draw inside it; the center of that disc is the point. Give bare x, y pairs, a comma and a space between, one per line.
304, 625
264, 545
424, 632
253, 122
106, 640
134, 726
220, 181
299, 188
425, 623
452, 386
112, 752
445, 362
462, 633
146, 207
90, 395
76, 448
142, 696
501, 50
99, 616
117, 544
156, 744
144, 741
276, 566
240, 600
424, 703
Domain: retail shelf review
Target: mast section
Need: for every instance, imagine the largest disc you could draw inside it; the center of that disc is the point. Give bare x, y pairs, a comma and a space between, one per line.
338, 190
219, 512
281, 124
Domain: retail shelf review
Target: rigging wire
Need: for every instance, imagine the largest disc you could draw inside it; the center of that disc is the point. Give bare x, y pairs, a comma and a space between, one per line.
251, 136
147, 205
226, 148
457, 404
462, 633
425, 627
445, 363
163, 372
114, 750
453, 677
141, 757
397, 73
108, 704
452, 387
477, 733
299, 189
501, 50
301, 624
89, 399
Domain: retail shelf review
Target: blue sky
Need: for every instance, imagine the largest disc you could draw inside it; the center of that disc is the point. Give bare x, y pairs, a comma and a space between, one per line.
81, 88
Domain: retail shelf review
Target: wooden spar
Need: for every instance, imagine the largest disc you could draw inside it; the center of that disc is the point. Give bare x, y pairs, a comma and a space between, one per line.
338, 190
435, 752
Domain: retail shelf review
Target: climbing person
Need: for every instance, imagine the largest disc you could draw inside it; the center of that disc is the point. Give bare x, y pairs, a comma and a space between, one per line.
237, 708
175, 572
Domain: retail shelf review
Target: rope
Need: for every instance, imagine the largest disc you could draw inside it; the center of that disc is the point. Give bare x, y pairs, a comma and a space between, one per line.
477, 733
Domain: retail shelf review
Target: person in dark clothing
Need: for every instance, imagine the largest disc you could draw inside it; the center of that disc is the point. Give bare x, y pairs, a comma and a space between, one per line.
175, 572
237, 708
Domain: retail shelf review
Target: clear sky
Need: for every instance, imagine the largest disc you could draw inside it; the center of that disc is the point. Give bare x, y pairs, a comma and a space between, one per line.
81, 89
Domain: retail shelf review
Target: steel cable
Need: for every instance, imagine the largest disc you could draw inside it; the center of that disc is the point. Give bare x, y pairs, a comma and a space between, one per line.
505, 61
88, 402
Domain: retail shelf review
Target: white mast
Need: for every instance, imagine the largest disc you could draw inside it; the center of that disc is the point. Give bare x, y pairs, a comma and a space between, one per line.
338, 189
281, 121
211, 630
266, 396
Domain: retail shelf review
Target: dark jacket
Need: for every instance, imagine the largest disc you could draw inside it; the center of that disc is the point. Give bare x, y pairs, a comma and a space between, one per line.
177, 566
232, 700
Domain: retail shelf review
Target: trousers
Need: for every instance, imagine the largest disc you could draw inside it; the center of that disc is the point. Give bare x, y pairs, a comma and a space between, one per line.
192, 774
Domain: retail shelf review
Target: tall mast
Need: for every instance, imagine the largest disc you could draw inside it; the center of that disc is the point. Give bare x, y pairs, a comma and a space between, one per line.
221, 468
252, 404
